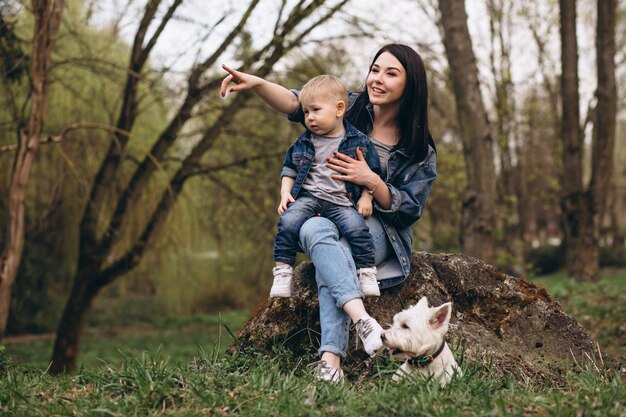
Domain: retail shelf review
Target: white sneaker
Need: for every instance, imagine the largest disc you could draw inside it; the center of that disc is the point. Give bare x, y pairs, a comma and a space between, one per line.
324, 372
369, 332
369, 283
281, 287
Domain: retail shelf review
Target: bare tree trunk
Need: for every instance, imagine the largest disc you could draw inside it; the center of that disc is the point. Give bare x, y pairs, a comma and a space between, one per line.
67, 341
583, 211
581, 259
616, 210
477, 229
47, 21
605, 114
97, 265
509, 181
553, 153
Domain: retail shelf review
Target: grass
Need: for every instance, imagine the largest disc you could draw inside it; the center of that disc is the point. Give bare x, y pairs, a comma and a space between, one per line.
250, 384
176, 366
177, 338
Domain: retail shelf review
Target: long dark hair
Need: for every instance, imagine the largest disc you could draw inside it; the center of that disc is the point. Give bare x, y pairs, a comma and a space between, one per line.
413, 113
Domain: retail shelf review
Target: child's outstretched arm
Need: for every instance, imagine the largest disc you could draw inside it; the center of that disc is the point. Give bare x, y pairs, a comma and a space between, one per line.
275, 95
364, 206
286, 185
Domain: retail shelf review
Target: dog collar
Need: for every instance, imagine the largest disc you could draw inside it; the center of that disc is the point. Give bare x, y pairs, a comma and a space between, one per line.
421, 361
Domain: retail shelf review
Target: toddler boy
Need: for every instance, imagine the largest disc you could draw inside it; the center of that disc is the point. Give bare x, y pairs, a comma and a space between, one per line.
307, 188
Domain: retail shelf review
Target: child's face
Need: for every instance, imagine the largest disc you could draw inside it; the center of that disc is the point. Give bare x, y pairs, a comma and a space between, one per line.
323, 116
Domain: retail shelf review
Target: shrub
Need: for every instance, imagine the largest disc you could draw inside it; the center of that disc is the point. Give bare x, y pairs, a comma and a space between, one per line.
611, 256
546, 259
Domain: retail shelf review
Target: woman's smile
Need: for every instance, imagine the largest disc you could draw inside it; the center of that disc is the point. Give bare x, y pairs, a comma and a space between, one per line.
386, 80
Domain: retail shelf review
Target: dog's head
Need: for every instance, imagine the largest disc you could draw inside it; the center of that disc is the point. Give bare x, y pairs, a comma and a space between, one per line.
417, 330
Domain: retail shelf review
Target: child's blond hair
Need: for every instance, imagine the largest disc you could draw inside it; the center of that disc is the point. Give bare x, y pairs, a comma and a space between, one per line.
325, 87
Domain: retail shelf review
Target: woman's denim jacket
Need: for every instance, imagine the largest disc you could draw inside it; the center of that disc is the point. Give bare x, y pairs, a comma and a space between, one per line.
301, 154
409, 183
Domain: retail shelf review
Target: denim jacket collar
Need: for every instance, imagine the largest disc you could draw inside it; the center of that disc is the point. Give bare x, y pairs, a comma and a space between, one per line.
351, 131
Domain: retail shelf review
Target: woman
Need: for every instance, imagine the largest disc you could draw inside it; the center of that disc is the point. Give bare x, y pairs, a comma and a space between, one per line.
392, 111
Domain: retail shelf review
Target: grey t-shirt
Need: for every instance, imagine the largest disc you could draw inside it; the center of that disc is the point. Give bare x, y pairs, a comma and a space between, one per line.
383, 152
319, 182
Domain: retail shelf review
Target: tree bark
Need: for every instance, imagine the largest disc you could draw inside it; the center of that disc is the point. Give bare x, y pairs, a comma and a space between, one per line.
67, 341
577, 227
47, 21
477, 228
510, 181
605, 114
583, 210
616, 210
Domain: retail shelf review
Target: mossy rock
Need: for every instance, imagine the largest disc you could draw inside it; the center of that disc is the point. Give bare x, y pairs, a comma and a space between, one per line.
497, 319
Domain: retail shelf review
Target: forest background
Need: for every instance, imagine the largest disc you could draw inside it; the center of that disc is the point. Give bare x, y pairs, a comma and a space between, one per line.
148, 187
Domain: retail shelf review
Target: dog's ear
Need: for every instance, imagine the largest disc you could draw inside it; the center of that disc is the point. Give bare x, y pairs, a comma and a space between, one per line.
422, 301
441, 316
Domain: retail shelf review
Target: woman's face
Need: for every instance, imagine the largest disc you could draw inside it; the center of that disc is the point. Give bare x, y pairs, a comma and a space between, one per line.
386, 80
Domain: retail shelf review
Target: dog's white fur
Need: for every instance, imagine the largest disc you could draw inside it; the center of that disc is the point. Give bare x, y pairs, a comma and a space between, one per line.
417, 332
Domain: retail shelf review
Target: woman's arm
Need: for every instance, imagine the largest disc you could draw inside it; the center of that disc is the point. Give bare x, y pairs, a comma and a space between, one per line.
410, 191
275, 95
401, 204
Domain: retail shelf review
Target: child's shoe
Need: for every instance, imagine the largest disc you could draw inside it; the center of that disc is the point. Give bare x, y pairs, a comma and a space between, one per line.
281, 286
369, 332
369, 283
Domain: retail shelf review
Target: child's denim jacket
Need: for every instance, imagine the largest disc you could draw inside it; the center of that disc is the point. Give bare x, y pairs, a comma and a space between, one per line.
301, 154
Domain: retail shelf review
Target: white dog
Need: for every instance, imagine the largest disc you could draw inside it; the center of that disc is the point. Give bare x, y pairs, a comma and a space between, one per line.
417, 335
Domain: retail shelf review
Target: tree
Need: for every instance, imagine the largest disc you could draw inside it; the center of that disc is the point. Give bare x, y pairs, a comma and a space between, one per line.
605, 113
108, 248
541, 151
47, 15
583, 208
511, 187
88, 69
478, 218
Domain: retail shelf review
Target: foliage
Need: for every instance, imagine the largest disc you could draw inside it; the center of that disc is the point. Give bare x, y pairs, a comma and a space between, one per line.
83, 90
612, 256
13, 61
548, 258
441, 224
545, 259
218, 250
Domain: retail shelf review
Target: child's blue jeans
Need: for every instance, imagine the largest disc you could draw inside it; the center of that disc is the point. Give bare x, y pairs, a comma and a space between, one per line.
350, 223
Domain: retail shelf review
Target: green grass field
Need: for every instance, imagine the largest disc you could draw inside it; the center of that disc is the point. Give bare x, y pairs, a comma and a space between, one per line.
176, 366
176, 338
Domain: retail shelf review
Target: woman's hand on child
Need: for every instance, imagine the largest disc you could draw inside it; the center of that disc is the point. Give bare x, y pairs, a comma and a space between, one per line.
353, 170
241, 81
285, 200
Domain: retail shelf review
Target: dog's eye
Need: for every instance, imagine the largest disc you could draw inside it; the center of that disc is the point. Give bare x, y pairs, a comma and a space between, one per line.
404, 326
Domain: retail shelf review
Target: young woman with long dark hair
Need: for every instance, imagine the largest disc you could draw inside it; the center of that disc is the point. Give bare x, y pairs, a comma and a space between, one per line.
392, 110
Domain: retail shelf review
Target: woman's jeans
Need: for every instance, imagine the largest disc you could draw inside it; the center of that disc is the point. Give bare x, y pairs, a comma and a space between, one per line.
335, 274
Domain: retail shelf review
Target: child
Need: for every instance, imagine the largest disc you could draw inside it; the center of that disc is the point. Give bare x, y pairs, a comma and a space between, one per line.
307, 188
